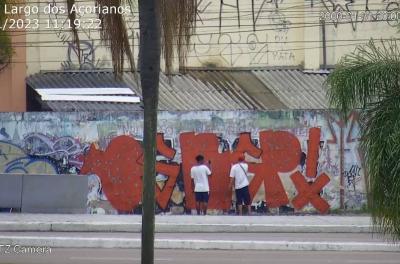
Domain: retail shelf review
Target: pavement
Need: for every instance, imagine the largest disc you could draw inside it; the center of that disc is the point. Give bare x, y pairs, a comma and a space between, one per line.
173, 256
289, 233
186, 223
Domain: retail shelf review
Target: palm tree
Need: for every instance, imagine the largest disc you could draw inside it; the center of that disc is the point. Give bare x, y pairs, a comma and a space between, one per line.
165, 27
369, 80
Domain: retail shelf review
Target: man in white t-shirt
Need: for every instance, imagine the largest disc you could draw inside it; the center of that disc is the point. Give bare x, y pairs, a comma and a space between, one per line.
239, 177
199, 174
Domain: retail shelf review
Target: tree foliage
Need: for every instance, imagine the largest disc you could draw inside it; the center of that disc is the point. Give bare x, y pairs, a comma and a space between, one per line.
177, 23
178, 19
6, 49
369, 80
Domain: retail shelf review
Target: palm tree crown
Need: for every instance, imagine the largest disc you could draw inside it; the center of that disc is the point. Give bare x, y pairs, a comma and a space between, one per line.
369, 80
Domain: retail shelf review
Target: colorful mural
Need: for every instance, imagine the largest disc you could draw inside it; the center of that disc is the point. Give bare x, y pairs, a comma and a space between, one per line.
302, 161
13, 159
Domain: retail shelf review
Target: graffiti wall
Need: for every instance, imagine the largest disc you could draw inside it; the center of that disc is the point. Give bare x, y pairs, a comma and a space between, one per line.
299, 161
230, 33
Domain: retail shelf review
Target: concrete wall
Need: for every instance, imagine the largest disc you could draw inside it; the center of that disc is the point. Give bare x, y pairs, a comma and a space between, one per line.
44, 193
10, 191
233, 33
291, 149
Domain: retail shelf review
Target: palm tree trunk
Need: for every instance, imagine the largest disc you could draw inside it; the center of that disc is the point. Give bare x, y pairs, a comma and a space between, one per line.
150, 50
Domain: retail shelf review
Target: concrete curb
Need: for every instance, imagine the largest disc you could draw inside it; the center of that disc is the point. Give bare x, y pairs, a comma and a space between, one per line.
182, 227
74, 242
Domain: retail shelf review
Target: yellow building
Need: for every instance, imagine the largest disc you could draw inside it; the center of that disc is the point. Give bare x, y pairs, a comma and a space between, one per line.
247, 34
231, 33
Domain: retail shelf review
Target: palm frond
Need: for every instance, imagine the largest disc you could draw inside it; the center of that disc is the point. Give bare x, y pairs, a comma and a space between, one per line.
369, 79
381, 143
114, 34
178, 23
365, 75
178, 19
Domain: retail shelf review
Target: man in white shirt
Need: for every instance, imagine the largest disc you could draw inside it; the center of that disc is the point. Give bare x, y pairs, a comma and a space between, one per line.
199, 174
239, 177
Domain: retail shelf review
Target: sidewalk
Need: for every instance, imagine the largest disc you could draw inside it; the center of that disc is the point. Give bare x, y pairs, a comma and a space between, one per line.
220, 241
325, 233
186, 223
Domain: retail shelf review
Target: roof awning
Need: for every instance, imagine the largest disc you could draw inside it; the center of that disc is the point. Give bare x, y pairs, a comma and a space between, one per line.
83, 91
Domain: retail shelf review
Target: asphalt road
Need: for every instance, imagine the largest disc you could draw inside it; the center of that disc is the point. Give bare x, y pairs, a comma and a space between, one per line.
334, 237
131, 256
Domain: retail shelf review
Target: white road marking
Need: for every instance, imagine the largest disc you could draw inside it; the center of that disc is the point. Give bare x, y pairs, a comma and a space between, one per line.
372, 261
114, 258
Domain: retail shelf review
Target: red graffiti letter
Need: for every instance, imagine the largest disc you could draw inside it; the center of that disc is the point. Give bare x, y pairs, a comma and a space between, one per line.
206, 144
313, 152
310, 192
119, 171
280, 153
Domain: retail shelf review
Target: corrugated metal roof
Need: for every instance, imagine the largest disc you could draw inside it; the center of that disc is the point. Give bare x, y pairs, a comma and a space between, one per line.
53, 81
295, 88
246, 91
207, 89
62, 106
77, 79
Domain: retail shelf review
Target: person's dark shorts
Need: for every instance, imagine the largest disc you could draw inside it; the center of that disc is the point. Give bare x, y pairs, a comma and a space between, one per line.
243, 196
201, 197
